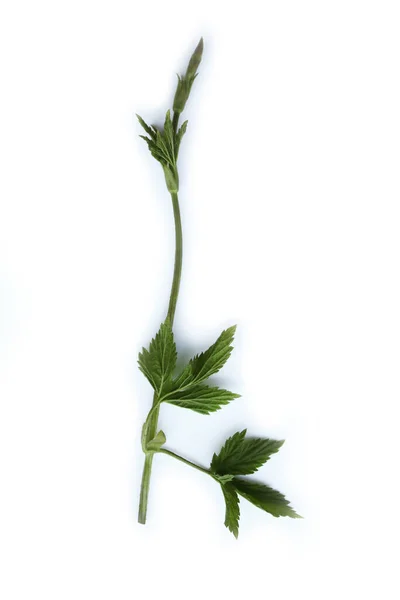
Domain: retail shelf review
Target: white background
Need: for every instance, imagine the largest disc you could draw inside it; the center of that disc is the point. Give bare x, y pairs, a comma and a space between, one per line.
290, 202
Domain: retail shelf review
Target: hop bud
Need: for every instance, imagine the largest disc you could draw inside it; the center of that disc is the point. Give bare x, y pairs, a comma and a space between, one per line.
195, 60
181, 95
185, 83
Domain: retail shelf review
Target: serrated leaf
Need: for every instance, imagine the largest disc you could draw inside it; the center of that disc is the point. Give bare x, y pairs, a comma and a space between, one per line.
201, 398
164, 149
148, 141
232, 510
149, 130
207, 363
264, 497
241, 455
162, 144
179, 135
155, 150
158, 362
157, 441
169, 134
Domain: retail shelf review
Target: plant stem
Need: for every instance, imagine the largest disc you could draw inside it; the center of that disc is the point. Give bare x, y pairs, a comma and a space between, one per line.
148, 463
144, 489
175, 120
153, 420
184, 460
176, 281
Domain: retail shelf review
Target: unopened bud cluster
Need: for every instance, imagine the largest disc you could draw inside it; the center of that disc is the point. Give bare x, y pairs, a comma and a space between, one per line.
186, 81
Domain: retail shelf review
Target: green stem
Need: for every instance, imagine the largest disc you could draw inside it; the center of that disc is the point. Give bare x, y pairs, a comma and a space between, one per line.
152, 422
176, 281
144, 489
148, 462
184, 460
175, 120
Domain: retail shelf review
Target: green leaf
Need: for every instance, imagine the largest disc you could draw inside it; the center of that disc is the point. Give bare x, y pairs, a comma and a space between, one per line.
164, 149
201, 398
156, 152
179, 135
162, 144
241, 455
169, 134
158, 362
265, 498
232, 510
151, 131
157, 441
207, 363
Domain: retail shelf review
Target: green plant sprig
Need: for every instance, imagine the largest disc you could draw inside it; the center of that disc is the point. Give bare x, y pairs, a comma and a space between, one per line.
190, 387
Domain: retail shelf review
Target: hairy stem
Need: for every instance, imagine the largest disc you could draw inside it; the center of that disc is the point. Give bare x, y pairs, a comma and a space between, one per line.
152, 420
